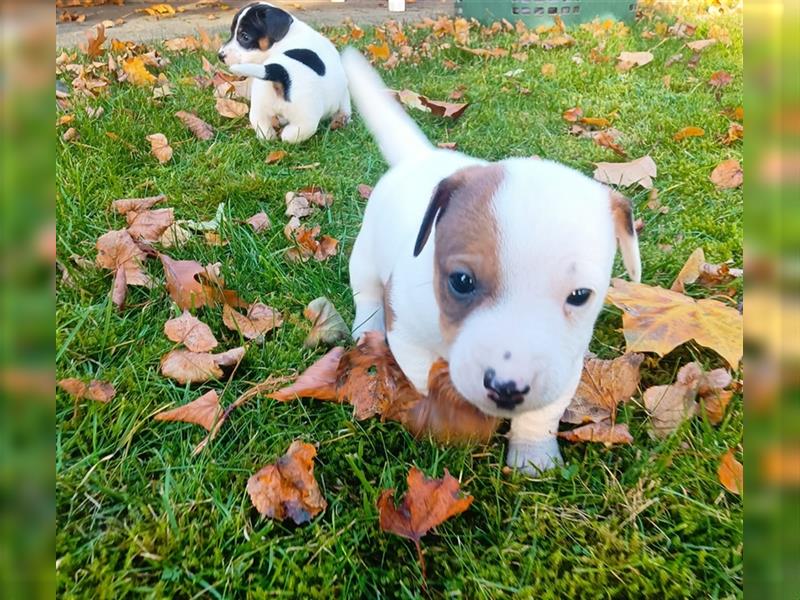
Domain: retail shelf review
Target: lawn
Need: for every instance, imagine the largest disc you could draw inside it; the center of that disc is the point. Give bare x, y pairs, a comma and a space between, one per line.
139, 515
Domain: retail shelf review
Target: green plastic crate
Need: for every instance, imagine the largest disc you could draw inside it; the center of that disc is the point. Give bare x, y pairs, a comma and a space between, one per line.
539, 12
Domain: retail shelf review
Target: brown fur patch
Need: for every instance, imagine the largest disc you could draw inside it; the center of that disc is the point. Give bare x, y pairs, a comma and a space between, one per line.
467, 240
388, 312
622, 213
264, 43
278, 87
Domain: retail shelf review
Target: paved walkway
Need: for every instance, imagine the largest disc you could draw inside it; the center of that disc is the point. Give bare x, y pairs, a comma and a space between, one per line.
140, 27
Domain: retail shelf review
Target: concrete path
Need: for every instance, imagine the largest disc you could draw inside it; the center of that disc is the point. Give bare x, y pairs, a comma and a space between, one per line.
213, 17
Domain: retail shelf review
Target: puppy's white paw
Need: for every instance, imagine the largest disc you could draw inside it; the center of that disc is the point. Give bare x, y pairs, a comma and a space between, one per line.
533, 458
264, 132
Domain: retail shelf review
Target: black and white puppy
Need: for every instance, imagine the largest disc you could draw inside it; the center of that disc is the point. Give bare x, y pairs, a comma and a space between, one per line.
298, 75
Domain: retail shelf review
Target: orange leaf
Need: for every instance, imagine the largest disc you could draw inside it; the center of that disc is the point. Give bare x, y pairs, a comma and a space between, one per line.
379, 52
720, 79
204, 411
735, 132
606, 139
160, 147
687, 132
318, 381
727, 174
603, 432
548, 69
191, 332
201, 129
287, 488
191, 285
99, 391
572, 115
731, 473
275, 156
603, 386
597, 122
659, 320
95, 44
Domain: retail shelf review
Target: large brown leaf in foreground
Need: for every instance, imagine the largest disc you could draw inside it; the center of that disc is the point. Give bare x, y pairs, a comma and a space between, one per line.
427, 503
659, 320
604, 385
287, 488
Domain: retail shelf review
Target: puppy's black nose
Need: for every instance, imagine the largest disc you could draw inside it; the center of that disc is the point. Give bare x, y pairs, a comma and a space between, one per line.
221, 56
503, 393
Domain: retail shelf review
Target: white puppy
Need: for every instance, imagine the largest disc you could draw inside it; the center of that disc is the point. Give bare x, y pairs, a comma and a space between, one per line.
499, 268
298, 74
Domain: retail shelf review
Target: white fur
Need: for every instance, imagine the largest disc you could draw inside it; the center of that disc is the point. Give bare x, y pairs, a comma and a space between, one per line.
556, 234
312, 97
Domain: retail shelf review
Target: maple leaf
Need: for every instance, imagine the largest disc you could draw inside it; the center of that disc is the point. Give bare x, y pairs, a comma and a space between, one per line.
259, 222
307, 245
603, 386
327, 325
260, 320
275, 156
287, 488
232, 109
185, 366
731, 473
639, 171
149, 225
94, 45
201, 129
727, 174
658, 320
136, 70
426, 504
204, 411
126, 205
117, 249
447, 110
99, 391
603, 432
696, 269
191, 332
688, 132
160, 147
318, 381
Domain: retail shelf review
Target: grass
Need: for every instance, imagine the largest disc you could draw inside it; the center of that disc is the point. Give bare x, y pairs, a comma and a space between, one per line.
138, 515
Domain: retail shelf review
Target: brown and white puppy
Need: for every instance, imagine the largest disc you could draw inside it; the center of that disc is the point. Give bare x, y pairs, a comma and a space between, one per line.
499, 268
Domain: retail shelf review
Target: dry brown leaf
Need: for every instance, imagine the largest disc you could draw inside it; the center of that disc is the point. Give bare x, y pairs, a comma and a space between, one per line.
737, 113
175, 236
697, 270
191, 285
720, 79
232, 109
117, 249
379, 51
438, 108
318, 381
191, 332
596, 122
99, 391
603, 432
486, 52
126, 205
307, 245
196, 367
731, 473
259, 222
603, 386
287, 488
297, 205
727, 174
275, 156
160, 147
119, 289
317, 196
426, 504
201, 129
629, 60
94, 46
548, 69
260, 320
204, 411
149, 225
700, 45
70, 135
735, 132
710, 387
327, 325
639, 171
688, 132
658, 320
571, 115
606, 139
669, 406
364, 191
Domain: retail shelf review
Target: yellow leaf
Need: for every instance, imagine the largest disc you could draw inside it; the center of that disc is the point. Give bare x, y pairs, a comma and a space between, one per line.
136, 71
687, 132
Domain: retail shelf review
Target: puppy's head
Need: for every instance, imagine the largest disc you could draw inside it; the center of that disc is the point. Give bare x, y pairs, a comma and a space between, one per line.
522, 262
255, 28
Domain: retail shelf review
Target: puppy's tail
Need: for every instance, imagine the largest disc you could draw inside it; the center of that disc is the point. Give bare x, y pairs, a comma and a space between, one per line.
396, 133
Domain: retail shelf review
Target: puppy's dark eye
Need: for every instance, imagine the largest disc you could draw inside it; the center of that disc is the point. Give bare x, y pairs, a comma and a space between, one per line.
579, 297
461, 284
245, 37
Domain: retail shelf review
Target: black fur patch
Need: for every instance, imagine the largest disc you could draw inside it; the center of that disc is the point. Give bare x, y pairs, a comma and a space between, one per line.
280, 77
261, 26
309, 58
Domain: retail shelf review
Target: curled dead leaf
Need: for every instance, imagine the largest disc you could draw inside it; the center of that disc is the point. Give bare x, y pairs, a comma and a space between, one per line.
160, 148
204, 411
688, 132
697, 270
231, 109
200, 129
149, 225
669, 406
318, 381
191, 285
438, 108
327, 325
603, 386
275, 156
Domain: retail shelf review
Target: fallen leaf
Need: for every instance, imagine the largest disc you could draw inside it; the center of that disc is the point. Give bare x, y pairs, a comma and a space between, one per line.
232, 109
379, 51
640, 171
572, 115
700, 45
149, 225
318, 381
364, 191
710, 388
548, 69
94, 46
697, 270
117, 249
448, 110
204, 411
728, 174
606, 139
688, 132
191, 332
126, 205
210, 225
160, 147
327, 325
297, 205
487, 53
317, 196
307, 245
275, 156
136, 70
119, 289
629, 60
720, 79
201, 129
260, 320
259, 222
731, 473
287, 488
658, 320
70, 135
603, 432
99, 391
307, 167
426, 504
735, 132
175, 236
191, 285
185, 366
603, 386
669, 406
596, 122
737, 114
159, 10
447, 145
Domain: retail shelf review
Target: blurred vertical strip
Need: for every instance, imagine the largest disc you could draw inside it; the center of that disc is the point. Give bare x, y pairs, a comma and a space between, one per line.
772, 298
27, 480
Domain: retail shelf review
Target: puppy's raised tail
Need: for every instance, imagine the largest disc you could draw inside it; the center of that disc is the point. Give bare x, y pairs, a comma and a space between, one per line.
397, 135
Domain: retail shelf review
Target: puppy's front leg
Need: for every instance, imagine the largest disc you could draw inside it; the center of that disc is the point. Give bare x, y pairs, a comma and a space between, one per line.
415, 361
532, 445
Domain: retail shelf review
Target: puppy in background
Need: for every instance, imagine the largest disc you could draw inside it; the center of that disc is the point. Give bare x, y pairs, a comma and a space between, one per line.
499, 268
298, 75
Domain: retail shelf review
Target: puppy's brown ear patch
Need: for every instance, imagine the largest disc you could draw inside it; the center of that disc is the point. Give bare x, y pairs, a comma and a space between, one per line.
625, 232
622, 213
264, 43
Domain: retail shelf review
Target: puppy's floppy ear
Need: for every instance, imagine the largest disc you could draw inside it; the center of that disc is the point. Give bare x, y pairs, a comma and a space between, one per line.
276, 24
439, 201
625, 232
